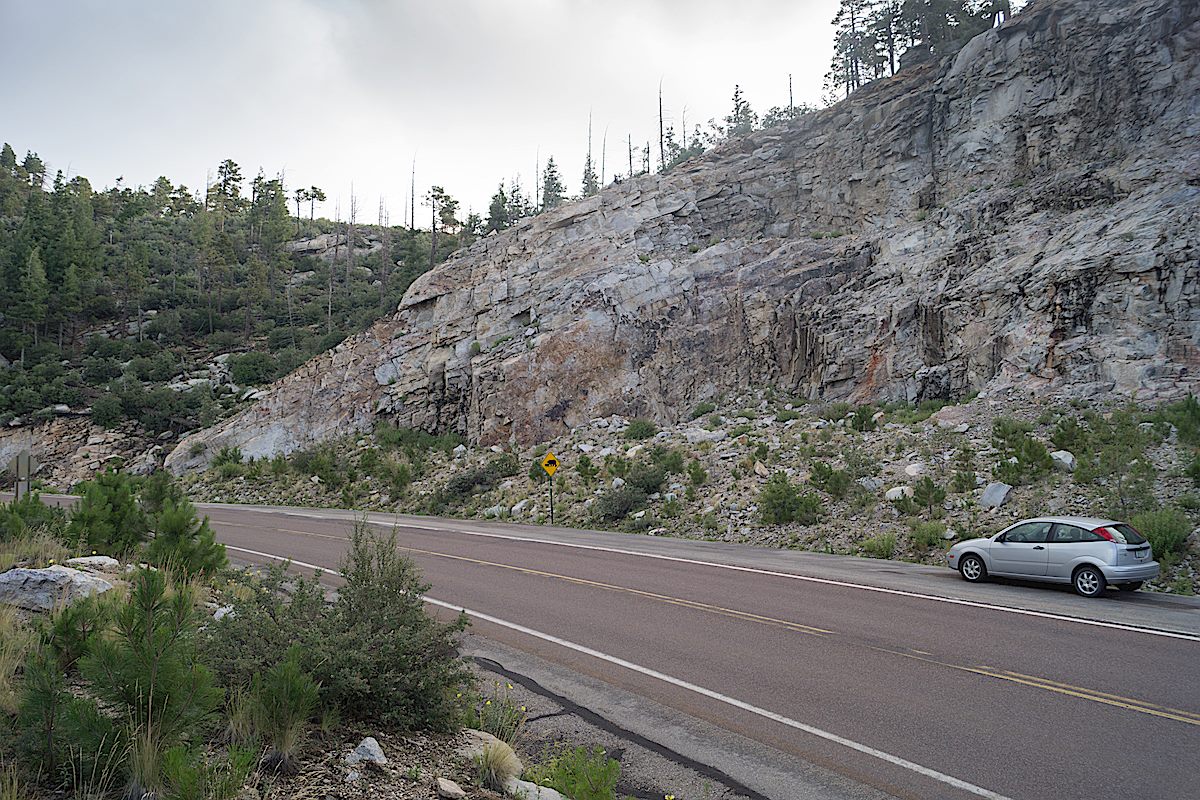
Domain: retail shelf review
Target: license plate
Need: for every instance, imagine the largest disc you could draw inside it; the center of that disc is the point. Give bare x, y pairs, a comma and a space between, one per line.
1140, 554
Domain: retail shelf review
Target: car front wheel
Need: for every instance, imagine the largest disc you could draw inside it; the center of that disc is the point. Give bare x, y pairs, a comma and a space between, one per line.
1089, 581
972, 569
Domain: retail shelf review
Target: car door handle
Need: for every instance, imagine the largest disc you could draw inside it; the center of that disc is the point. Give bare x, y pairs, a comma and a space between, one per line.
1038, 547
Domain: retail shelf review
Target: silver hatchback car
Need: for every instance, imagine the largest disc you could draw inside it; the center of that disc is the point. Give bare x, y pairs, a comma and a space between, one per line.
1087, 553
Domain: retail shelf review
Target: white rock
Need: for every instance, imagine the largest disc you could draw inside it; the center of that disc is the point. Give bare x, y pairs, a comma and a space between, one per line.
95, 564
617, 483
520, 507
896, 492
352, 776
635, 451
698, 435
315, 479
914, 470
1064, 461
760, 469
493, 511
515, 787
585, 447
223, 612
994, 495
44, 589
449, 790
368, 751
460, 451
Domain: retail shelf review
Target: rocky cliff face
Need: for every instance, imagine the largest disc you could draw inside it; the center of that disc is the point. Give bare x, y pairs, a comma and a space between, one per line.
1026, 212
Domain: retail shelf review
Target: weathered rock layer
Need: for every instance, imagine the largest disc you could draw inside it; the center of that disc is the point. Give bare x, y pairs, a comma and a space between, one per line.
1025, 212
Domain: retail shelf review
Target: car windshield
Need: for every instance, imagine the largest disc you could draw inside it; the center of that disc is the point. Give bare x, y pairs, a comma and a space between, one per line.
1126, 534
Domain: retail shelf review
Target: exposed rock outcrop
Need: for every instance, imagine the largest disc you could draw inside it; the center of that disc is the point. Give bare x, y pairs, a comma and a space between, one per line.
1027, 212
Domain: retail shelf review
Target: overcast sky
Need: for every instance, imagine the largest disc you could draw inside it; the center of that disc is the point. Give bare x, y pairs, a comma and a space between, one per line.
338, 91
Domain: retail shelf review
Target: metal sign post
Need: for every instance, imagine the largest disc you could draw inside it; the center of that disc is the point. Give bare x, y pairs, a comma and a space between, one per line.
22, 466
550, 464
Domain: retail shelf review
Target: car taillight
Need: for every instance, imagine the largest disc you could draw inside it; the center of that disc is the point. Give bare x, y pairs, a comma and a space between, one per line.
1106, 533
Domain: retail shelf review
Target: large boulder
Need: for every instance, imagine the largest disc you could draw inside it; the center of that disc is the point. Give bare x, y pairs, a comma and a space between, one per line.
45, 589
994, 495
1064, 461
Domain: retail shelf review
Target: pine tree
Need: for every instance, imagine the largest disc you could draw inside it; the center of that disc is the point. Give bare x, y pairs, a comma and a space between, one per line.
498, 218
8, 158
553, 191
591, 184
741, 119
32, 295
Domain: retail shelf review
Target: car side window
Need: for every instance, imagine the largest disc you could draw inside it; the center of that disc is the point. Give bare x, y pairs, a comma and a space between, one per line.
1029, 533
1067, 534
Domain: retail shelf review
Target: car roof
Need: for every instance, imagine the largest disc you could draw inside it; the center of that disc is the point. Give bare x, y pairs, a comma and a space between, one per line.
1091, 523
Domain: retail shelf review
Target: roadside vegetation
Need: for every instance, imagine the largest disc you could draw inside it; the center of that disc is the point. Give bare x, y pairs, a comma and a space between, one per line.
144, 691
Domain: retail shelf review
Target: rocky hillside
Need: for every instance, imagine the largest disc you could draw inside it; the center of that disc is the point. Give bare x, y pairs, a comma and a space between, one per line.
1026, 213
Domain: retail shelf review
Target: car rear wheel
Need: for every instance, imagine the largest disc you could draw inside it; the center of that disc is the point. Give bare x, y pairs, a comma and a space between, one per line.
1131, 587
972, 569
1089, 581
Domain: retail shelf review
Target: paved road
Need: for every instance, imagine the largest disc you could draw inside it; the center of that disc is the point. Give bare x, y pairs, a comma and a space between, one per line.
902, 681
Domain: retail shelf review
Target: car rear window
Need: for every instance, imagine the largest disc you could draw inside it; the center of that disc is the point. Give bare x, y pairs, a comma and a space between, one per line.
1126, 534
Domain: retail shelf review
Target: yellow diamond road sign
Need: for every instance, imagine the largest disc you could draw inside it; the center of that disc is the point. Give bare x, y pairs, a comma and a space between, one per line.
550, 464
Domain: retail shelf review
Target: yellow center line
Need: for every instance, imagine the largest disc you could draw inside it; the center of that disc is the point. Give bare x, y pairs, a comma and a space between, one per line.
1067, 689
693, 604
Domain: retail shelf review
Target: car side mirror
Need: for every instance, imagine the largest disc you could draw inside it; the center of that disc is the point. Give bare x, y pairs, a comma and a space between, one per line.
1002, 537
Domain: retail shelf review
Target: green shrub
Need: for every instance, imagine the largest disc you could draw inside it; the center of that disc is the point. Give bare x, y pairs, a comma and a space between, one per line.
928, 495
376, 653
19, 518
108, 518
323, 462
881, 546
670, 460
588, 471
1193, 469
616, 504
1167, 530
962, 482
639, 429
646, 477
184, 542
834, 481
580, 773
227, 455
1023, 459
703, 408
106, 411
616, 466
696, 473
863, 419
284, 701
780, 502
157, 490
1185, 416
463, 485
73, 628
252, 369
415, 442
786, 415
836, 411
928, 534
41, 708
149, 676
187, 774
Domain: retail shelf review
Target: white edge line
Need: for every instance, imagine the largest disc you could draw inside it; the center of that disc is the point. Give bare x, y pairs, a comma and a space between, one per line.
949, 780
793, 576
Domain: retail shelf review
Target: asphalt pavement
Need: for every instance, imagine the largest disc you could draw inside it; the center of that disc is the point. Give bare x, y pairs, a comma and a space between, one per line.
839, 677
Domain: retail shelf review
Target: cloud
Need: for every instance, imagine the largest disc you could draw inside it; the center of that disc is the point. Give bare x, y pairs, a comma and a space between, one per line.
335, 91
